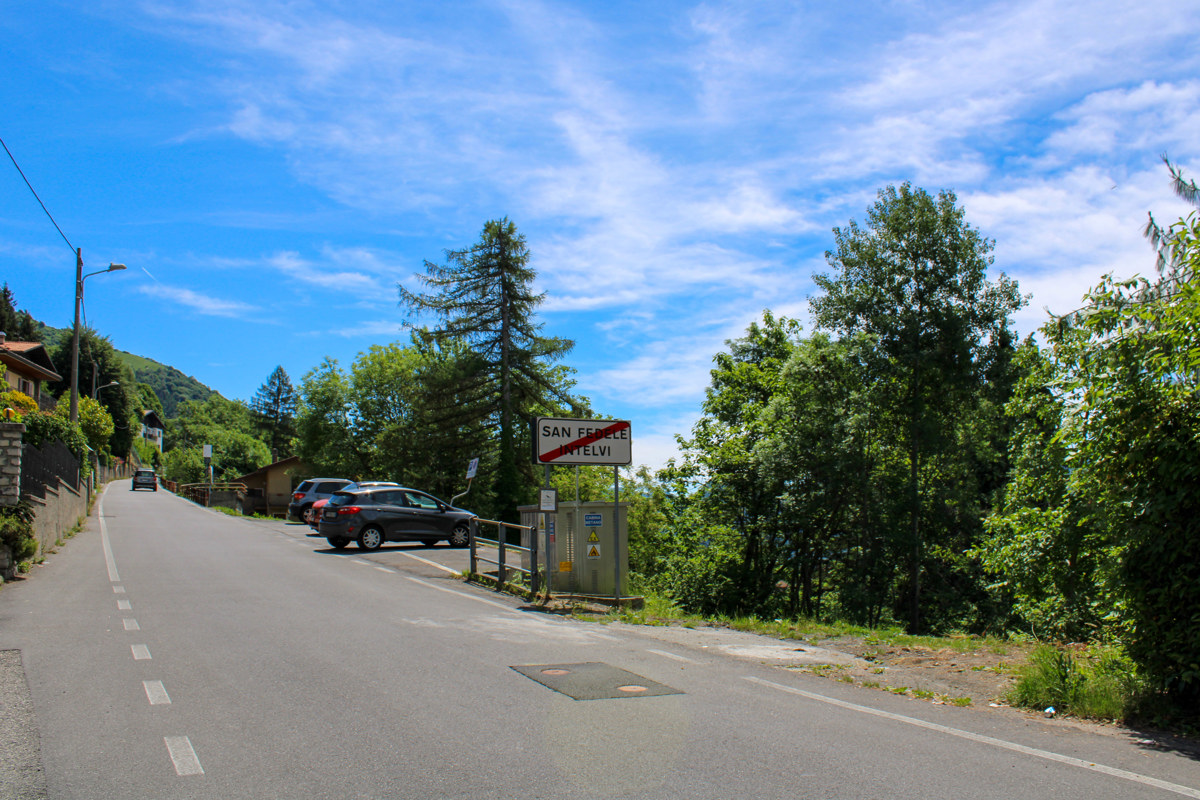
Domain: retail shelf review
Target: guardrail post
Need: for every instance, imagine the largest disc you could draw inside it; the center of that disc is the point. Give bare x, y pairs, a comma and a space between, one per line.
503, 538
473, 531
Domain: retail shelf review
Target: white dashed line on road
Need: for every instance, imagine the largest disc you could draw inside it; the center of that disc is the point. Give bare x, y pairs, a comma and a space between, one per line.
432, 563
118, 590
156, 694
124, 605
132, 625
183, 756
673, 656
140, 652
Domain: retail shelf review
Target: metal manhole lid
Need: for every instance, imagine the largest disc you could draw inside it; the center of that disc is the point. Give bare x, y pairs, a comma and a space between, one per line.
593, 680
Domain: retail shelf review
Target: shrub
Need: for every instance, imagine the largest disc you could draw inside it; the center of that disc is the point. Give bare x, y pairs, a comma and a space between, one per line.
1101, 684
16, 530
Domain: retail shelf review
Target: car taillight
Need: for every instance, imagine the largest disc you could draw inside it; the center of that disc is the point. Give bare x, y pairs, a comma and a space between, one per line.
347, 510
298, 496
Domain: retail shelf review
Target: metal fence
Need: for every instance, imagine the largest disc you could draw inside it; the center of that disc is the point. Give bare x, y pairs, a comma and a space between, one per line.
504, 549
46, 467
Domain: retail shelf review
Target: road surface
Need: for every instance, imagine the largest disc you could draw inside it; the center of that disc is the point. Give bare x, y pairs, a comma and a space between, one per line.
169, 651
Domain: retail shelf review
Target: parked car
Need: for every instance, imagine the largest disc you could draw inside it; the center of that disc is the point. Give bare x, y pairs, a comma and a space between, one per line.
310, 491
144, 479
313, 517
390, 514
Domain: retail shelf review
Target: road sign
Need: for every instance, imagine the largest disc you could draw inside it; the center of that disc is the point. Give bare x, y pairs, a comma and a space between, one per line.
580, 441
472, 468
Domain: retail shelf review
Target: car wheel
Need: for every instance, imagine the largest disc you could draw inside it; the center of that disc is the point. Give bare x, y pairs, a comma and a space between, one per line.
460, 536
370, 538
337, 542
306, 514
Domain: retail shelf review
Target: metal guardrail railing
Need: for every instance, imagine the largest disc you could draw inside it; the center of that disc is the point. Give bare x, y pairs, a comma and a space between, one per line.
201, 493
503, 548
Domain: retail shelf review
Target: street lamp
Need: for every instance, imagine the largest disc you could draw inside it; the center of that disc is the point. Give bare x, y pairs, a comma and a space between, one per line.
79, 278
96, 391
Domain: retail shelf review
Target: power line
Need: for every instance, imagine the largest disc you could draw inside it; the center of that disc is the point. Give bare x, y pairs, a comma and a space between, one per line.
35, 196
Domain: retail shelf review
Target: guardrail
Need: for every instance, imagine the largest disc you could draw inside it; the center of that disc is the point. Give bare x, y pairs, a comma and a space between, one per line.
502, 545
202, 493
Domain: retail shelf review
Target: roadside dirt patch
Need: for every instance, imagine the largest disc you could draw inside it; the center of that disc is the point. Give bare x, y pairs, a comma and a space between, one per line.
972, 675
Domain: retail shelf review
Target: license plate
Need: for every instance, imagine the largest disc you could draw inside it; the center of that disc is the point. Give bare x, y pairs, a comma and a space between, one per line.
330, 515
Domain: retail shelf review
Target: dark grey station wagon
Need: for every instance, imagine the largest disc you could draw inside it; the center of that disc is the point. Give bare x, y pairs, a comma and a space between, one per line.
381, 514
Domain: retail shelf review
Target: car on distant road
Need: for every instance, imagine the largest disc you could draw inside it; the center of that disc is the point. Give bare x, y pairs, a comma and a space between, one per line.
381, 514
313, 517
310, 491
144, 479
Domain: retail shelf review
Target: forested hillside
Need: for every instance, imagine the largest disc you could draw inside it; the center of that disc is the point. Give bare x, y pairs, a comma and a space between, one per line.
171, 385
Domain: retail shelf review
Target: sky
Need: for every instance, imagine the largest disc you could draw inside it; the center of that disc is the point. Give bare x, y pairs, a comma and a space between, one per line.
270, 172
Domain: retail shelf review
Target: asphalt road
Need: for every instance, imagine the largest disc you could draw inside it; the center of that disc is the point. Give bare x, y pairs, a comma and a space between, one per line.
172, 652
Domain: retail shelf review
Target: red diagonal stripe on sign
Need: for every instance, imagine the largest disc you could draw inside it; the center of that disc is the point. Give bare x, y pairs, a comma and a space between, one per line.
565, 449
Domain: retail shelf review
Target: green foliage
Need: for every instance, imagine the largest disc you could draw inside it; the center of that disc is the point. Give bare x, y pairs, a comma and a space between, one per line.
171, 387
1100, 531
185, 465
227, 425
19, 402
914, 281
147, 453
16, 530
18, 326
94, 421
1097, 685
99, 365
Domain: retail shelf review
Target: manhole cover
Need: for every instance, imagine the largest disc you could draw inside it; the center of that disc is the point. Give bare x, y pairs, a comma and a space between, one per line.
594, 681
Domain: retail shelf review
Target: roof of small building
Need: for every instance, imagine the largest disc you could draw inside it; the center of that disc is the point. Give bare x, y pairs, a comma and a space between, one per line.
29, 359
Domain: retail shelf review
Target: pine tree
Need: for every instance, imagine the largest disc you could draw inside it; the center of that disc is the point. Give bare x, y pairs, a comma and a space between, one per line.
482, 297
274, 405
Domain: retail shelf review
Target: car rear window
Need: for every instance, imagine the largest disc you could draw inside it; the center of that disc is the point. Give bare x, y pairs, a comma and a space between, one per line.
304, 486
339, 499
329, 486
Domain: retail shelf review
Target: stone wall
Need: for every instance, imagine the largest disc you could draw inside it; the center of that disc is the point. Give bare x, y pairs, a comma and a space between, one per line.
11, 436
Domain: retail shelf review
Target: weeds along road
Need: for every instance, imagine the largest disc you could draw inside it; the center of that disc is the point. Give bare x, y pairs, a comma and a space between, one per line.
173, 652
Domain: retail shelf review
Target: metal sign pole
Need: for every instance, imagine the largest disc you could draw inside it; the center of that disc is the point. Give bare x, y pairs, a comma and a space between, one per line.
617, 535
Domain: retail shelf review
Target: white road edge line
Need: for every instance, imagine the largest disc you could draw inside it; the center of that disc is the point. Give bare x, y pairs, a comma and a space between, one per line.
463, 595
432, 563
156, 693
109, 561
183, 756
1146, 780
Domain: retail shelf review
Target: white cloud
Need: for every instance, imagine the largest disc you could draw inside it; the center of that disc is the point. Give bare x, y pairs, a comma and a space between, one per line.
200, 303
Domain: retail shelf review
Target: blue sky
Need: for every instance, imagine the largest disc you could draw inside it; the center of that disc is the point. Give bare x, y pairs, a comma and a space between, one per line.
270, 171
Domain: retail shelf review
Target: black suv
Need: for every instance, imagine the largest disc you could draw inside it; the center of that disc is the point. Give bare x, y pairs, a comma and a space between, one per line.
390, 514
144, 479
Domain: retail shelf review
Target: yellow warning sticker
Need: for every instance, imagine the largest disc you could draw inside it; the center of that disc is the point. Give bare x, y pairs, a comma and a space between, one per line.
593, 551
592, 537
565, 566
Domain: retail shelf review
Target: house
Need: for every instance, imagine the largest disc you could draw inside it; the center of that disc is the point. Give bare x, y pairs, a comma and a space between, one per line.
29, 369
269, 489
152, 428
